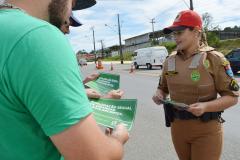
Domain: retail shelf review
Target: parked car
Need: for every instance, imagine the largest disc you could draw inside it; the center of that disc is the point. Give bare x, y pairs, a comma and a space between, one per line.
82, 62
151, 56
234, 59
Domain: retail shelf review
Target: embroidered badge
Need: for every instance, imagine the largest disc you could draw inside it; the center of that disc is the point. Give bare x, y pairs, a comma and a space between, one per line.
225, 63
206, 64
234, 85
195, 76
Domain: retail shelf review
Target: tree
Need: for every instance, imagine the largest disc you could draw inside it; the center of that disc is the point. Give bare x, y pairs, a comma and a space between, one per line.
114, 48
212, 36
207, 21
213, 39
233, 29
82, 52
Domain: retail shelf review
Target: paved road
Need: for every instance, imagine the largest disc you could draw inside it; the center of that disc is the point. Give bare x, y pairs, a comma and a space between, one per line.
150, 139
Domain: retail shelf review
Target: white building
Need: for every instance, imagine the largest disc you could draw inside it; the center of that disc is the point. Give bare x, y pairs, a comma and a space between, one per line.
144, 40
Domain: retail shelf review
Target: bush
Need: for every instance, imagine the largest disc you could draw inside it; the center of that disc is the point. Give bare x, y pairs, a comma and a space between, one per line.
226, 46
126, 57
213, 39
170, 46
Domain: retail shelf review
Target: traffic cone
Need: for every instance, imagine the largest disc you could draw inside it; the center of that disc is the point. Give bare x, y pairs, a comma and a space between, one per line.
131, 69
111, 67
99, 64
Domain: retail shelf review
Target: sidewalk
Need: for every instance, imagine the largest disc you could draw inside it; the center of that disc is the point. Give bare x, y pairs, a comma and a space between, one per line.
113, 62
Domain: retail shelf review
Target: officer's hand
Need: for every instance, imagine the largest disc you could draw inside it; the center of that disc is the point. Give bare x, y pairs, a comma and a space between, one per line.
120, 133
158, 97
91, 93
197, 109
114, 94
91, 78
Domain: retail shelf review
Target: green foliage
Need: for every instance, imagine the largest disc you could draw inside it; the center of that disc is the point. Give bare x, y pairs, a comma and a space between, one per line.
226, 46
81, 52
154, 42
126, 57
170, 46
213, 39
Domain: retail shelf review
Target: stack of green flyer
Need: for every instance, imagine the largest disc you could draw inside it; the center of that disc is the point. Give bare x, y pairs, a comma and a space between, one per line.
177, 105
110, 112
105, 83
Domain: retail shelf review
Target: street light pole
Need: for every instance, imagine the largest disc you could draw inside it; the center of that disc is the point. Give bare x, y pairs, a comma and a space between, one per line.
120, 40
101, 41
94, 44
191, 5
153, 32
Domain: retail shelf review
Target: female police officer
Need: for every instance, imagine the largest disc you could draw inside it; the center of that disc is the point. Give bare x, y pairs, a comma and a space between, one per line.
194, 75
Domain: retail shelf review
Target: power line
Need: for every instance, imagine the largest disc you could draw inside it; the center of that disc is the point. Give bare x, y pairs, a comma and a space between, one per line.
168, 9
229, 20
111, 28
185, 3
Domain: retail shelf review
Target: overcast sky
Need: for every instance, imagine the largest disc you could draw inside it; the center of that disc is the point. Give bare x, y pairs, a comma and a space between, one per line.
136, 15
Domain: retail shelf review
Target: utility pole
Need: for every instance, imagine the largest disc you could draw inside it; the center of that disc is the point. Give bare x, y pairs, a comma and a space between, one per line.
94, 44
153, 32
101, 41
120, 40
191, 5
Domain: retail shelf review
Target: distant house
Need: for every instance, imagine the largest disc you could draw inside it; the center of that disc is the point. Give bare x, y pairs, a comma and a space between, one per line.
140, 41
223, 35
114, 53
145, 40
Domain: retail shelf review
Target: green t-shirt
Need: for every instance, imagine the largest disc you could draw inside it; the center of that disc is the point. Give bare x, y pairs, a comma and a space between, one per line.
41, 91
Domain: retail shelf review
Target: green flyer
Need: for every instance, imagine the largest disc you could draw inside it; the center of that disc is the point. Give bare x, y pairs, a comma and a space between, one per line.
110, 112
105, 83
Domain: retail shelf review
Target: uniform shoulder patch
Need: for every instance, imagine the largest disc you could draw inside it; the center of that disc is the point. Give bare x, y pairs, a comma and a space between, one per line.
234, 85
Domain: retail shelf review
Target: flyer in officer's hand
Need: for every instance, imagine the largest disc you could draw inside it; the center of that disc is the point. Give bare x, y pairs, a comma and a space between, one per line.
105, 83
111, 112
177, 105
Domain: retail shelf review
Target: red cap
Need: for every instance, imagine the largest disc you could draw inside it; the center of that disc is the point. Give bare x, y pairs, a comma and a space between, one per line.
185, 19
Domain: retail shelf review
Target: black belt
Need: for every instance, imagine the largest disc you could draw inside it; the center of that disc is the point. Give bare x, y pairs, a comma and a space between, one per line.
185, 115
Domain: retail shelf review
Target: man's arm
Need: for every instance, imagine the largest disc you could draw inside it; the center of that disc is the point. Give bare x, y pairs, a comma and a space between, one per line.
86, 141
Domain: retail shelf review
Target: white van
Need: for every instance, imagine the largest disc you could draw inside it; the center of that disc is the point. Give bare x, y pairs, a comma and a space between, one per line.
151, 56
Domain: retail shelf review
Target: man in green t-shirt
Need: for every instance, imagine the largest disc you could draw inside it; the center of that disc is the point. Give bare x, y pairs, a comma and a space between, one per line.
44, 110
91, 93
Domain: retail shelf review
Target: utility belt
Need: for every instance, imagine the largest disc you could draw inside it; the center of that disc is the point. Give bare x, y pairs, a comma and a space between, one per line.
185, 115
171, 113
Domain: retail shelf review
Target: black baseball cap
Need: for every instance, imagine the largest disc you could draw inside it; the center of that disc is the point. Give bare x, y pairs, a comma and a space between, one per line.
74, 22
83, 4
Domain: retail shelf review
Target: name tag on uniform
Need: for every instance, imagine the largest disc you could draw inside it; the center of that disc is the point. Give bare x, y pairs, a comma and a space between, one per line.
171, 73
